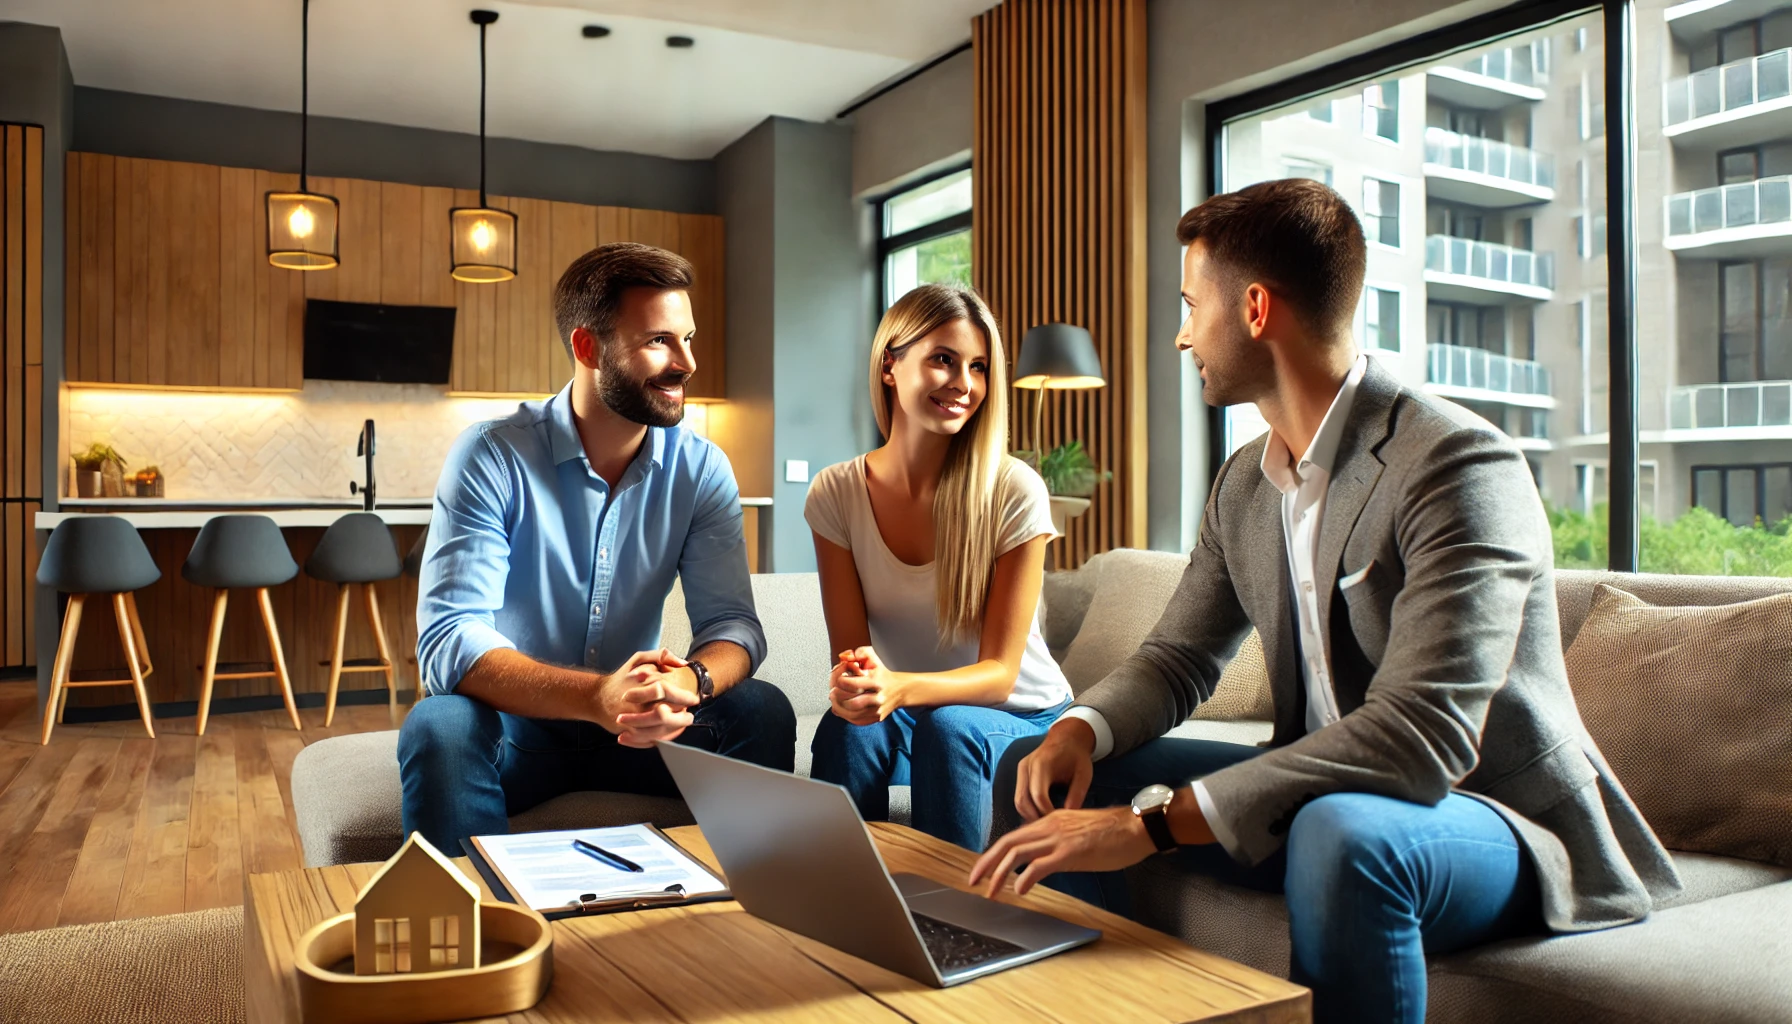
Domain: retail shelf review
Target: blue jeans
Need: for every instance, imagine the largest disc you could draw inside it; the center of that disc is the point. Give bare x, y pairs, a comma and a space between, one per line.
1373, 884
946, 754
466, 767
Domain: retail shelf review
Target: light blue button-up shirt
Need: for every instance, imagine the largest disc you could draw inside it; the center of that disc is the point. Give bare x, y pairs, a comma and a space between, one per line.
530, 549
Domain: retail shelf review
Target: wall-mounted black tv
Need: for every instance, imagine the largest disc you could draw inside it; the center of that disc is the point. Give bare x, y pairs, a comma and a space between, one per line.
368, 341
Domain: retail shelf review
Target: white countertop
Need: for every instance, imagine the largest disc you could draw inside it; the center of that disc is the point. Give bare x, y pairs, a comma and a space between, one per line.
191, 514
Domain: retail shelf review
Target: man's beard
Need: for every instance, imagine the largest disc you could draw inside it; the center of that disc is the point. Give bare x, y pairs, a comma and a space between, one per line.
637, 400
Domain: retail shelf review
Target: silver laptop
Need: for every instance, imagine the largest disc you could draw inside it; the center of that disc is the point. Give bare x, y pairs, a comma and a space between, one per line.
797, 855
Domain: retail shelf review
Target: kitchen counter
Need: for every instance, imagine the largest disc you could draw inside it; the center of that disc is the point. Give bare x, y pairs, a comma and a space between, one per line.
295, 513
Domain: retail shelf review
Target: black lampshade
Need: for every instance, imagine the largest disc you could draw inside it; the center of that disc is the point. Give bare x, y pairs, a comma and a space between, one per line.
1058, 356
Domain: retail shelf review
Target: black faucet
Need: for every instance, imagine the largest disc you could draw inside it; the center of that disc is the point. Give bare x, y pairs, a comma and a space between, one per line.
364, 447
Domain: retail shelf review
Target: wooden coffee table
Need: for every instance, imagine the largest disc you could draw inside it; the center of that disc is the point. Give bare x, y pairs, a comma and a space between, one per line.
716, 962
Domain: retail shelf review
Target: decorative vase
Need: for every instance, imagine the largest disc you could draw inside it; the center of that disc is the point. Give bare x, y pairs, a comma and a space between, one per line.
151, 488
87, 483
112, 480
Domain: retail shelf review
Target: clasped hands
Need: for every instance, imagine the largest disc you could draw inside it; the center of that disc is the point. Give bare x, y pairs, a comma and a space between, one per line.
862, 690
650, 698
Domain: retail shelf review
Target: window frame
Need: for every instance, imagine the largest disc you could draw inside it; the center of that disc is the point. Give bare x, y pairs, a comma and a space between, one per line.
1618, 36
914, 236
1399, 295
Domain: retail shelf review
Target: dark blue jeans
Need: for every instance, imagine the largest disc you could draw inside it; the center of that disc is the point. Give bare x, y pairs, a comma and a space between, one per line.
947, 755
466, 767
1373, 884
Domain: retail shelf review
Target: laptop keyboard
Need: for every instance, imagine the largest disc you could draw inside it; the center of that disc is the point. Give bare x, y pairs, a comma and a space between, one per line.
953, 947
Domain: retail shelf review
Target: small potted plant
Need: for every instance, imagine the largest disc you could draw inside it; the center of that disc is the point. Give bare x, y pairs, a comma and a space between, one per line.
148, 482
99, 472
1071, 477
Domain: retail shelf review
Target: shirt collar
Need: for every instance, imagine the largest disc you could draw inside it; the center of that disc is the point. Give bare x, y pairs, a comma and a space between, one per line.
563, 434
1323, 452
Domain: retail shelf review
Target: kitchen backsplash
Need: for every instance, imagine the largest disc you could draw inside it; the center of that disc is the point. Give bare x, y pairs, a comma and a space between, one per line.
291, 445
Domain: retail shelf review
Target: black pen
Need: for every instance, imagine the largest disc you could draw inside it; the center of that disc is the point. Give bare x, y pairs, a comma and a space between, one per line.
616, 861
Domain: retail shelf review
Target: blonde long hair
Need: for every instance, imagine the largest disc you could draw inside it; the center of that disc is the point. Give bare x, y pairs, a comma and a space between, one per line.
965, 520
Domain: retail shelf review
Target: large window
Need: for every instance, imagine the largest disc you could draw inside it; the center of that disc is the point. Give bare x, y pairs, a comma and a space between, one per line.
925, 235
1648, 380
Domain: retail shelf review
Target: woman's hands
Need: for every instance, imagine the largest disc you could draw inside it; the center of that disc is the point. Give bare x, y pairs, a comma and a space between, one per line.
862, 690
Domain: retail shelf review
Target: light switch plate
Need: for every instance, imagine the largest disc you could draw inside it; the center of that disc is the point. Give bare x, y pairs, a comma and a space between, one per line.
796, 471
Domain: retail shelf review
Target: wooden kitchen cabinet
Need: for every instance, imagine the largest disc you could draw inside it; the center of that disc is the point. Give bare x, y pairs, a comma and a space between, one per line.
169, 283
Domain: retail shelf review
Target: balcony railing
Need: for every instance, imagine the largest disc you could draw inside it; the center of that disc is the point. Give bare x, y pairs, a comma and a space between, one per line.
1731, 86
1499, 264
1765, 403
1463, 367
1520, 65
1490, 157
1763, 201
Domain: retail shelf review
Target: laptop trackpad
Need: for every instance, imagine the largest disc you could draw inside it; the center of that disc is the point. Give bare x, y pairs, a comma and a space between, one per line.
1024, 928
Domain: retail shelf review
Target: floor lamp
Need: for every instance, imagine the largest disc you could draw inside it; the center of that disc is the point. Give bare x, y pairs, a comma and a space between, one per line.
1055, 357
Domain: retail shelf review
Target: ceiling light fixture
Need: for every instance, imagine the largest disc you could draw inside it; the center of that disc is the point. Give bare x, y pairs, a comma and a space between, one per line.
482, 240
302, 224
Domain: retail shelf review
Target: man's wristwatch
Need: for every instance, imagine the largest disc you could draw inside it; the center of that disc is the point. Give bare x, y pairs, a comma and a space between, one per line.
1152, 805
706, 687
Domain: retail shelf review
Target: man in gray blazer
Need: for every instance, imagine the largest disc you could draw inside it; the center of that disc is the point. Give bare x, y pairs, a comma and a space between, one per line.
1429, 785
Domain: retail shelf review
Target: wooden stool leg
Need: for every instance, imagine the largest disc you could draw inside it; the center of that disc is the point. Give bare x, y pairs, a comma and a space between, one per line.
62, 706
279, 655
208, 673
379, 639
130, 602
128, 641
65, 653
342, 596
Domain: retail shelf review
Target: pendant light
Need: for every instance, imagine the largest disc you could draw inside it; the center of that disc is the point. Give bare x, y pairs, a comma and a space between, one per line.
302, 224
482, 240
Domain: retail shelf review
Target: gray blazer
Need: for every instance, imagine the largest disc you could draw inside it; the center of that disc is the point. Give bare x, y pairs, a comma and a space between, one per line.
1446, 654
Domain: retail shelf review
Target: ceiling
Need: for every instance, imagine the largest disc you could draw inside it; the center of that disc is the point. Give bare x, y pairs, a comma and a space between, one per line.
416, 62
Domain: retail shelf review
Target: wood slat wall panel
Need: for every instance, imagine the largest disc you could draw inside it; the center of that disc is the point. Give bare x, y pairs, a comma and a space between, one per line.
1058, 232
21, 382
401, 244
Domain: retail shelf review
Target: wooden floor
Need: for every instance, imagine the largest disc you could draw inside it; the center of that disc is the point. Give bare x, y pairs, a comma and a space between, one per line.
106, 823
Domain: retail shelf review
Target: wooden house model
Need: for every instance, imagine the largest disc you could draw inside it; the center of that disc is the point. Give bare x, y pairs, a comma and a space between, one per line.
418, 914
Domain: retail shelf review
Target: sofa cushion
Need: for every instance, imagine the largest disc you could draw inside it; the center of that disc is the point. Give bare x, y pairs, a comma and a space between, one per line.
181, 967
798, 657
1574, 591
1680, 701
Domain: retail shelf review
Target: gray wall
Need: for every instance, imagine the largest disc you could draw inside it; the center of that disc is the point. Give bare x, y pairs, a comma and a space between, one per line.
799, 301
37, 88
160, 128
923, 124
1200, 51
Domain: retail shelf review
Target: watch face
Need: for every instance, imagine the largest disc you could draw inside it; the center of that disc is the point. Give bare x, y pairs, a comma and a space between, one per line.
1151, 798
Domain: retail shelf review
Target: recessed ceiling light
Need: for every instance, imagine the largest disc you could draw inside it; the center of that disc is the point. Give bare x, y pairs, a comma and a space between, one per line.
595, 31
680, 42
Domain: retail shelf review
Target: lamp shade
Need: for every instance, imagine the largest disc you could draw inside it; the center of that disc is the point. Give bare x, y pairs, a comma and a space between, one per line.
1058, 356
484, 244
301, 230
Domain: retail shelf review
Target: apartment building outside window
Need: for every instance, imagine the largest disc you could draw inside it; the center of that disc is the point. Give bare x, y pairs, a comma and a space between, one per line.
1381, 211
1381, 111
1381, 318
925, 235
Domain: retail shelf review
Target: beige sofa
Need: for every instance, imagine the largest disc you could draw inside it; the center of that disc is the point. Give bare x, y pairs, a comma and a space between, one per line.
1720, 950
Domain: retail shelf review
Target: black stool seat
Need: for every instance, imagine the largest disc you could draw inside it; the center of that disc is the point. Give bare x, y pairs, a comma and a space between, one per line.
357, 548
96, 555
413, 561
239, 551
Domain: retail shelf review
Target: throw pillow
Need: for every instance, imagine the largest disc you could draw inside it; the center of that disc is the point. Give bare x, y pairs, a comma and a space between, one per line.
1690, 706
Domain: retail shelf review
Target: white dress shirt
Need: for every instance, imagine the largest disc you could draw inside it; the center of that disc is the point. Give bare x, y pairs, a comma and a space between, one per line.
1303, 485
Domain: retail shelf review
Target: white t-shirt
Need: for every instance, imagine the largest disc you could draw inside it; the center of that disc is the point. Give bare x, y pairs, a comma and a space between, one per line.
900, 604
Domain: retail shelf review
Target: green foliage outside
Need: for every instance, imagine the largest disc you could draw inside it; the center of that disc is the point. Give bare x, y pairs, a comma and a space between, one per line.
945, 260
1697, 543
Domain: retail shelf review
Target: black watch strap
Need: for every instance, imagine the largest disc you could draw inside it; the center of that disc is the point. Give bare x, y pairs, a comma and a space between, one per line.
706, 687
1157, 826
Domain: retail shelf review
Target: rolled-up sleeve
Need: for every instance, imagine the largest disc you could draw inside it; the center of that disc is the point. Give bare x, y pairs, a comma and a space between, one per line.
466, 563
718, 590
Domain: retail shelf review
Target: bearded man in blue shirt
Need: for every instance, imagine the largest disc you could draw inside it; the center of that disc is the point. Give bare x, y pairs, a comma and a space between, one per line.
557, 534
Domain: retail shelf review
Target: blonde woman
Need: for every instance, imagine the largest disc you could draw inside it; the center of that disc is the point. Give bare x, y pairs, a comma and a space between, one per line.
932, 553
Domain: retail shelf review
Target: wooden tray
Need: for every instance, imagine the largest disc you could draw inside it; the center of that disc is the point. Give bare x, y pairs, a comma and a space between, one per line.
517, 938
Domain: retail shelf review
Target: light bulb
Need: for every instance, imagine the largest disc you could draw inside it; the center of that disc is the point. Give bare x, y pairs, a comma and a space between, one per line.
482, 236
301, 222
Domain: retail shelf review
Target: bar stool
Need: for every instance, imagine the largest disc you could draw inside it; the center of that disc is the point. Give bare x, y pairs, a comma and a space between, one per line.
91, 555
246, 552
357, 549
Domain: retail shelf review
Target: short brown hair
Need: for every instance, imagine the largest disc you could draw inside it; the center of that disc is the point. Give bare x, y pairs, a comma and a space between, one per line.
589, 294
1296, 235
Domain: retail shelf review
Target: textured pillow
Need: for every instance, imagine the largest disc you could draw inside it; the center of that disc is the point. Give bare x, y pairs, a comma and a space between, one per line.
1693, 708
1130, 596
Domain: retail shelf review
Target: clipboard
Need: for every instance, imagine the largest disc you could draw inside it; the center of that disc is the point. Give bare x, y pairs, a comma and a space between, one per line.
609, 904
